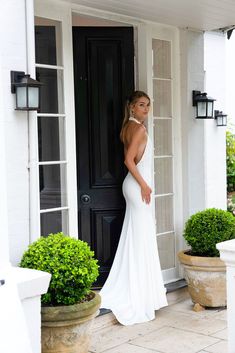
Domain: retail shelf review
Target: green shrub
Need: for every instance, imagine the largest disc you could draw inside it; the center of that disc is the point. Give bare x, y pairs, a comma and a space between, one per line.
230, 160
71, 264
205, 229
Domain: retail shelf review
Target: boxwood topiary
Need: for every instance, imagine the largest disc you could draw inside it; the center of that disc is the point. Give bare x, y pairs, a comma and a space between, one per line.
70, 262
205, 229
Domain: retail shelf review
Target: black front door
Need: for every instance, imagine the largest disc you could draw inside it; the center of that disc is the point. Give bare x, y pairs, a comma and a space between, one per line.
103, 76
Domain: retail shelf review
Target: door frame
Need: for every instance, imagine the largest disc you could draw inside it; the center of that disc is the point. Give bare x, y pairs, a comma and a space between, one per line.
144, 31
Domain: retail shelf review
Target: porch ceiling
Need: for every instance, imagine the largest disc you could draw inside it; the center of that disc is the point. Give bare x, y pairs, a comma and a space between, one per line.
198, 14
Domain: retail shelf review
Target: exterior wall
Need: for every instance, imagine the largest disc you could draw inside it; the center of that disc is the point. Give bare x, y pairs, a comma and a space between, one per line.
230, 74
4, 246
13, 57
203, 143
215, 142
193, 131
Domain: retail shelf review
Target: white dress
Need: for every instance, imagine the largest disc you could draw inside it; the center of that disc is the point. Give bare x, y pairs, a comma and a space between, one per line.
134, 288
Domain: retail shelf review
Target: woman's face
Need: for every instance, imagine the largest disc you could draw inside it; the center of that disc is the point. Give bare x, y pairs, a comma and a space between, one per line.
140, 109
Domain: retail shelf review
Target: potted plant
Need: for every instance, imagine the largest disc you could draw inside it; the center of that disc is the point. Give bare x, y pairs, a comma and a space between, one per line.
69, 306
205, 273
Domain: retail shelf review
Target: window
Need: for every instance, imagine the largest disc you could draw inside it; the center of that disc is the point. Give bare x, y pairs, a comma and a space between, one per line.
163, 147
51, 126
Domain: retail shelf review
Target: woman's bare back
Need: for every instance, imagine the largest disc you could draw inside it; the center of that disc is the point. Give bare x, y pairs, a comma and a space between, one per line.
129, 132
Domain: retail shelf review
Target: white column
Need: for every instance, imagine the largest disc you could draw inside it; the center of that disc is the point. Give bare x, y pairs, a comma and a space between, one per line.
193, 130
227, 254
4, 247
34, 202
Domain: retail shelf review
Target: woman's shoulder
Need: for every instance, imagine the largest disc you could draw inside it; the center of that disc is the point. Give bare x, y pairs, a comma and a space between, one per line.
134, 131
134, 128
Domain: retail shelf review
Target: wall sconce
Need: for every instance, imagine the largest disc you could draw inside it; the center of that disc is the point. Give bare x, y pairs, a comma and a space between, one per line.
27, 91
204, 105
221, 119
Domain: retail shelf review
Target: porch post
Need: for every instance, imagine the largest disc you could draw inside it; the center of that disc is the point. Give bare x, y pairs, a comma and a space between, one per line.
4, 247
227, 254
192, 130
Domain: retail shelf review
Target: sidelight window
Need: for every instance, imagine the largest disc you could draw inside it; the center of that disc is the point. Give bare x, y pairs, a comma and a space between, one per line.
163, 147
52, 163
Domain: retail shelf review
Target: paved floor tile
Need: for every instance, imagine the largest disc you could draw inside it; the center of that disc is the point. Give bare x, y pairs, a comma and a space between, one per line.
191, 322
173, 340
129, 348
187, 305
221, 314
222, 334
220, 347
113, 336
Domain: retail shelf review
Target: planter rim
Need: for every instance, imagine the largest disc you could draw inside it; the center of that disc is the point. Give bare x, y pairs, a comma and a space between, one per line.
201, 261
79, 310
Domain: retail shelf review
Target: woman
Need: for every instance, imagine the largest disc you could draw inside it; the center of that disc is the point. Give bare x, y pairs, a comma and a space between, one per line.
134, 288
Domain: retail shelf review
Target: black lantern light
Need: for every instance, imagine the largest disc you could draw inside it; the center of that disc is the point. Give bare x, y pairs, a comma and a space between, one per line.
204, 105
27, 91
221, 119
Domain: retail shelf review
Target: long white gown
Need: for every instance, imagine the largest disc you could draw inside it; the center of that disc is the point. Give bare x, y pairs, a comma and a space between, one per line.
134, 288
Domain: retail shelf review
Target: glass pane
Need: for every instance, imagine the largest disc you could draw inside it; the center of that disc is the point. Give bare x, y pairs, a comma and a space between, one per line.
163, 175
54, 222
51, 98
21, 97
51, 139
210, 109
164, 214
52, 186
166, 248
161, 58
48, 41
33, 97
201, 109
162, 137
162, 98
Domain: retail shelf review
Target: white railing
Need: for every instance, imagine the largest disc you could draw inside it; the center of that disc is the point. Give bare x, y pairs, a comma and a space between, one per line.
227, 254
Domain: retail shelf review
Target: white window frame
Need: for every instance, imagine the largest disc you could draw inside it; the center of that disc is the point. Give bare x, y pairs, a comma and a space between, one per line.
58, 12
145, 36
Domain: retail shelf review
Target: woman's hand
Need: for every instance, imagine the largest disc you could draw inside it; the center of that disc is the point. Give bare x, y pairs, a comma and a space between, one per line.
146, 193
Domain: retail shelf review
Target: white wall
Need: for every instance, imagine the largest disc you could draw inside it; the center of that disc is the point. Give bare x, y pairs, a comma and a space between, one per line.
215, 142
192, 78
203, 143
13, 57
230, 78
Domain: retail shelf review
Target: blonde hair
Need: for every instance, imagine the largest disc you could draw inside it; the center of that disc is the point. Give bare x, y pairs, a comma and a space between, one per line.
133, 98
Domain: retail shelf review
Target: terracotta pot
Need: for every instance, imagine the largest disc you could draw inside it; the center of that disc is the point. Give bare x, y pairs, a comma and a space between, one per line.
206, 279
67, 329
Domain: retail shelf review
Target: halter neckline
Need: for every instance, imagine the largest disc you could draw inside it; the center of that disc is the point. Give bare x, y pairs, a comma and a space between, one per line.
134, 119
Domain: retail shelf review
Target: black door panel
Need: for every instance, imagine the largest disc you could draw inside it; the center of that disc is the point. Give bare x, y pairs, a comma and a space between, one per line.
103, 76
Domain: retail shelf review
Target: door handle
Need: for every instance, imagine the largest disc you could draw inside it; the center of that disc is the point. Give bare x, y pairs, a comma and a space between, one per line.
85, 198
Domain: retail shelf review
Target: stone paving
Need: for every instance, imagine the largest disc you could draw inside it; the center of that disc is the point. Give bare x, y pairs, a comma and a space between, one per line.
176, 329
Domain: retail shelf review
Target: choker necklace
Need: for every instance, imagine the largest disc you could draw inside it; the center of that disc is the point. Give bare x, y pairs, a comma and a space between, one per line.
133, 119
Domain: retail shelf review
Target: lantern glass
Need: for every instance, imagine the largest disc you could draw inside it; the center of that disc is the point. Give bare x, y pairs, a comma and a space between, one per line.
21, 97
201, 109
33, 97
220, 120
210, 109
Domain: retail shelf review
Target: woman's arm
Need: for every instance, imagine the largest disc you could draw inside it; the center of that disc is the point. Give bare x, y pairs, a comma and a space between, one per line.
131, 153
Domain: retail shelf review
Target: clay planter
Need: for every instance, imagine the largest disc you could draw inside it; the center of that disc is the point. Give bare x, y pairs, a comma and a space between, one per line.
206, 279
67, 329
